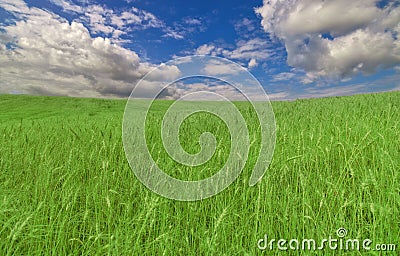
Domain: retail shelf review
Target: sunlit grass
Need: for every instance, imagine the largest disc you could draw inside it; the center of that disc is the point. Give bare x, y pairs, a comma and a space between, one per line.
66, 187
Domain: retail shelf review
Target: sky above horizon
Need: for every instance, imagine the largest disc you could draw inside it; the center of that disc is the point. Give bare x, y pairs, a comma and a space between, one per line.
296, 49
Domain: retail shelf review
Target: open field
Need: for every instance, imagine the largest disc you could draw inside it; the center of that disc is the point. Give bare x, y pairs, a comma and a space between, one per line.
67, 188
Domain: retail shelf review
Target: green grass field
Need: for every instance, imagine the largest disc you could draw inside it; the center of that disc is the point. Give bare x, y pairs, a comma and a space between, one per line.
66, 187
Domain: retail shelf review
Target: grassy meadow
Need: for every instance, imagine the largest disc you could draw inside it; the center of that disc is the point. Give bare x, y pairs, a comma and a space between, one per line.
66, 187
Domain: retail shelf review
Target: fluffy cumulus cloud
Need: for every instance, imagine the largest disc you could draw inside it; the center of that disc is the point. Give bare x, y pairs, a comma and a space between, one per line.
252, 63
42, 53
251, 51
337, 38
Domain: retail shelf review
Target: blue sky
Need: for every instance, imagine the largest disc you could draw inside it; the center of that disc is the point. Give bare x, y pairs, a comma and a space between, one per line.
296, 49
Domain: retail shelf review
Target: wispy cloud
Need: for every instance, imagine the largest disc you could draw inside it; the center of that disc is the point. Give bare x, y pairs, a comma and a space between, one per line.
117, 22
250, 51
186, 26
255, 48
173, 34
215, 67
283, 76
389, 83
192, 21
245, 25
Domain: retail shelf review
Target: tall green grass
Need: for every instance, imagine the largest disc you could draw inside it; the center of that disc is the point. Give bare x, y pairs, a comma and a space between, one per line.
67, 189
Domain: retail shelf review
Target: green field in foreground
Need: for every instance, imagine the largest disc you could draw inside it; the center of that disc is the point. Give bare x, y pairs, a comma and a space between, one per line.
67, 188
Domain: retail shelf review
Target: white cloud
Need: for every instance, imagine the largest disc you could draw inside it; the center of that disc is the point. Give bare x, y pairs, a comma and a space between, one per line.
278, 96
185, 26
385, 84
337, 38
136, 18
289, 18
284, 76
216, 67
251, 51
16, 6
164, 72
315, 92
173, 34
54, 57
252, 63
255, 48
205, 49
68, 6
179, 90
98, 16
125, 18
211, 49
192, 21
245, 25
